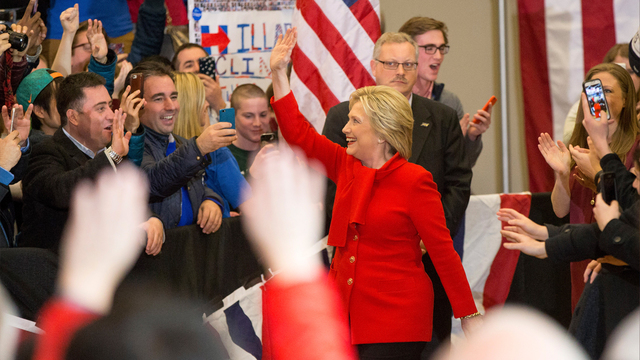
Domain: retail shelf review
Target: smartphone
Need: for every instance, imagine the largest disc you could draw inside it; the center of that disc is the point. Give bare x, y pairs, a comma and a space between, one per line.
208, 66
595, 96
607, 186
228, 115
268, 138
136, 81
491, 102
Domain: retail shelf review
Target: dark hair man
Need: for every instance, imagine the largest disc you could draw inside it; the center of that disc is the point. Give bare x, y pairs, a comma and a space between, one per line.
175, 166
186, 60
76, 152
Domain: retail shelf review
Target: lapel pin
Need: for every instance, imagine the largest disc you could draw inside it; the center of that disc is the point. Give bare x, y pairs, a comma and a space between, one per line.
425, 124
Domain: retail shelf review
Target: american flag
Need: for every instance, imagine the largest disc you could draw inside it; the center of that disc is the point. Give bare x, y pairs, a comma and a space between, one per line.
560, 40
333, 53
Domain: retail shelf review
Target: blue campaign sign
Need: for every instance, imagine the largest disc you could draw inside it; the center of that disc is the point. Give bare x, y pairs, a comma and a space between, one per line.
196, 13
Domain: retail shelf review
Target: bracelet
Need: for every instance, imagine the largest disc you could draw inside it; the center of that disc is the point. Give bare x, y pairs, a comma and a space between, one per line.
470, 316
113, 155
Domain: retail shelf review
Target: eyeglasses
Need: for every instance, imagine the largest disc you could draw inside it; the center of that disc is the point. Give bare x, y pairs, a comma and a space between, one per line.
392, 65
431, 49
85, 46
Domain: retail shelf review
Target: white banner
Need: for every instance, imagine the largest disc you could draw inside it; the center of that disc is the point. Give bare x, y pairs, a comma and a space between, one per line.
240, 34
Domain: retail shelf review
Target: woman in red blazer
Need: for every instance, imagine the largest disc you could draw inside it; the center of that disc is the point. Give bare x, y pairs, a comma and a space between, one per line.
384, 207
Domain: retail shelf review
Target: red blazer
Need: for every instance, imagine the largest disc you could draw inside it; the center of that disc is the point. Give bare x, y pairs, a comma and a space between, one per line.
379, 217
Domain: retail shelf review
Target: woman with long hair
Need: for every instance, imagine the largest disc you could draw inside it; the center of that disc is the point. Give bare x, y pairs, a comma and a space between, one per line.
574, 191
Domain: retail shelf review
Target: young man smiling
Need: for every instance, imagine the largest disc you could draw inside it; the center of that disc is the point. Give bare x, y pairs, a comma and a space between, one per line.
175, 166
252, 120
431, 37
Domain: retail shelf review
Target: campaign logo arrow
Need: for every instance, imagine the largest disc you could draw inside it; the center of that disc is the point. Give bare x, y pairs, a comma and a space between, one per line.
219, 39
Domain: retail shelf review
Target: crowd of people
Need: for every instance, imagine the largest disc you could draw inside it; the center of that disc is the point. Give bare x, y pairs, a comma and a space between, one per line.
108, 145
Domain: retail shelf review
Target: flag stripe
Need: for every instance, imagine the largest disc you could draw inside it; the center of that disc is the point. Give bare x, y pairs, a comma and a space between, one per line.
312, 109
335, 44
313, 80
498, 283
565, 59
535, 89
597, 33
345, 22
367, 17
326, 65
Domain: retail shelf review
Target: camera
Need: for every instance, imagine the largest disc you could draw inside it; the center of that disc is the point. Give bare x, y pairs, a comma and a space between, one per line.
18, 41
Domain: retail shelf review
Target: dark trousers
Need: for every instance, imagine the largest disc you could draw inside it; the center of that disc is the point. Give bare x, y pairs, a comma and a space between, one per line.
391, 351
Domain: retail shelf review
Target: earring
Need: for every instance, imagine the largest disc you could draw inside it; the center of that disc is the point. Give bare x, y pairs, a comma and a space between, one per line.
380, 141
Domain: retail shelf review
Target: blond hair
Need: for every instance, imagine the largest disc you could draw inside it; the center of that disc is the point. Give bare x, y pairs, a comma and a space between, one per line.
390, 115
191, 97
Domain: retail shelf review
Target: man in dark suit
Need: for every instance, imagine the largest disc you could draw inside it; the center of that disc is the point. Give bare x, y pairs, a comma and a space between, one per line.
76, 152
438, 146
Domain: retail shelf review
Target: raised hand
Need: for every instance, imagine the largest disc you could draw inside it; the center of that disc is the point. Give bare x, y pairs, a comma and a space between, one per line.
10, 151
18, 55
118, 83
283, 218
558, 157
598, 130
216, 136
281, 53
99, 48
70, 19
524, 243
21, 122
131, 105
102, 240
119, 139
582, 157
521, 224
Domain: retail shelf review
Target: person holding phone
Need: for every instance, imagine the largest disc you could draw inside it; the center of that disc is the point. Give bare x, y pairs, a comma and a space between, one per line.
574, 191
385, 206
252, 120
432, 39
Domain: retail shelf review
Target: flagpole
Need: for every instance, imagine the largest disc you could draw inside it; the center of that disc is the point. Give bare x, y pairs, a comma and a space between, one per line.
503, 97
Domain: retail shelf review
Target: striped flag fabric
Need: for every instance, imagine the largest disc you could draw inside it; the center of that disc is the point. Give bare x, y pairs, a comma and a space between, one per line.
333, 53
560, 40
239, 323
488, 265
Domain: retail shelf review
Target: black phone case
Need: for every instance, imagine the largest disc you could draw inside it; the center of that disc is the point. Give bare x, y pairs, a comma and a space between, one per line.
208, 66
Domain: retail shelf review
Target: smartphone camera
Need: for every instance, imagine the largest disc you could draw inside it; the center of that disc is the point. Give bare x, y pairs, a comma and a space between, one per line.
268, 138
18, 41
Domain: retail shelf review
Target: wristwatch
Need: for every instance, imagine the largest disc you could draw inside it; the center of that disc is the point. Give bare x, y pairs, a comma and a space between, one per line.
117, 159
